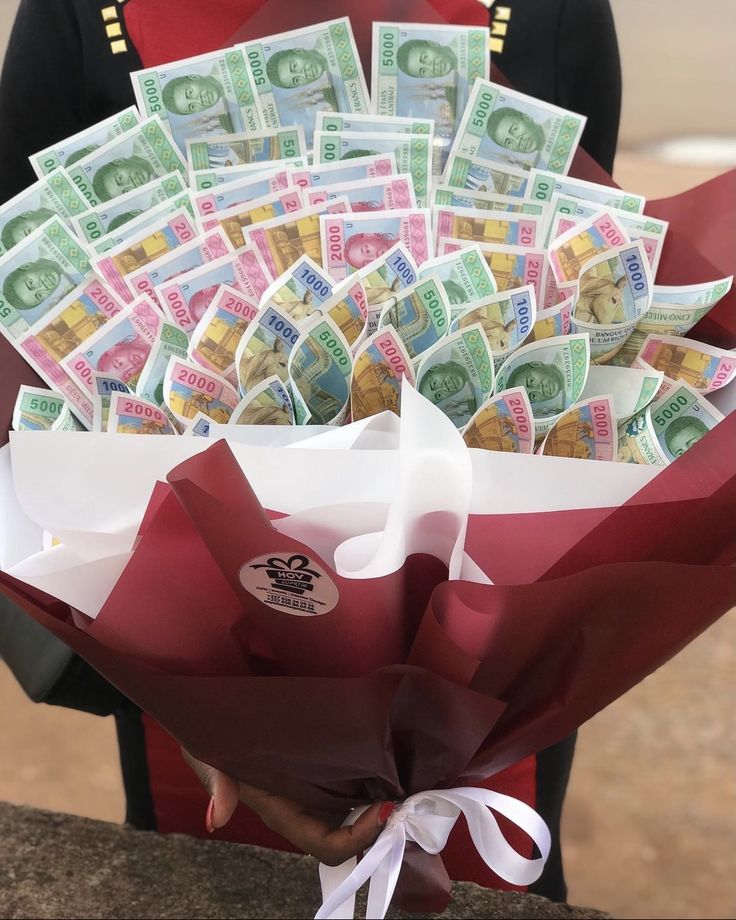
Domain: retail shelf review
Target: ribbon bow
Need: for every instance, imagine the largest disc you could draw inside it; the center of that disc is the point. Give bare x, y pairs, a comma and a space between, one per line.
427, 819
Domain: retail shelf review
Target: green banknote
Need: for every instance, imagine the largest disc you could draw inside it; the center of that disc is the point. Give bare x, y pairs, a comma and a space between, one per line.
517, 130
232, 150
208, 94
426, 71
420, 314
544, 185
37, 273
632, 389
133, 159
456, 374
320, 367
465, 276
481, 175
104, 219
53, 195
553, 373
37, 409
305, 71
446, 195
72, 149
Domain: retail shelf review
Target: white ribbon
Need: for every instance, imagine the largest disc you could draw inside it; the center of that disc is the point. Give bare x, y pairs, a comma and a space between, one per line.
427, 819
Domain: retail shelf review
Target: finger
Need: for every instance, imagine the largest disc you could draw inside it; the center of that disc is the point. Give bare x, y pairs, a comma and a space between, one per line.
314, 835
223, 790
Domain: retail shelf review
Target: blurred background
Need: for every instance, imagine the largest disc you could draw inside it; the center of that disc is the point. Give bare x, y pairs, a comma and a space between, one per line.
650, 821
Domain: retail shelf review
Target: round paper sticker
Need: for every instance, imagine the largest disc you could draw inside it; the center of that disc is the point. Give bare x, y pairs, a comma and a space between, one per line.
292, 583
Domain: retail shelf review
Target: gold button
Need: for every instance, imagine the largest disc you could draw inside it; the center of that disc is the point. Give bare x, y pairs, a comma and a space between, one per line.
119, 47
114, 30
109, 13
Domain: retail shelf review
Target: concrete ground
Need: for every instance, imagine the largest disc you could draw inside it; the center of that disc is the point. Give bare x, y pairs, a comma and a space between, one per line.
649, 827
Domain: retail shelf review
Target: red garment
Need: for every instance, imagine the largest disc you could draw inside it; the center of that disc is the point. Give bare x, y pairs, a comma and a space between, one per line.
180, 803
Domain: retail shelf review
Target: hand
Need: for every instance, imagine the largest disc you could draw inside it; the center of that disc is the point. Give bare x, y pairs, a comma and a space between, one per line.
315, 836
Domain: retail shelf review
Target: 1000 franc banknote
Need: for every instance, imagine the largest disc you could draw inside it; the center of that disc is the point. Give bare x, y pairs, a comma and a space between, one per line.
268, 403
308, 70
506, 319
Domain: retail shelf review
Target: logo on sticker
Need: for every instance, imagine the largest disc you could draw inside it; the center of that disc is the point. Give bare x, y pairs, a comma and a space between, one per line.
291, 583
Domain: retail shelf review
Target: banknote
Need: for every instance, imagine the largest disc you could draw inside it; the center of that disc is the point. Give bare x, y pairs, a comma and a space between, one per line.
511, 266
373, 124
568, 212
300, 290
189, 389
171, 342
553, 373
420, 314
384, 193
185, 258
544, 185
103, 386
672, 318
506, 319
283, 240
209, 202
586, 431
52, 196
207, 179
383, 277
133, 415
236, 220
413, 153
517, 130
632, 389
74, 148
268, 403
667, 428
348, 310
480, 175
465, 276
198, 426
129, 161
37, 409
426, 71
208, 94
37, 273
119, 349
496, 228
226, 150
348, 171
704, 367
447, 196
307, 70
552, 322
264, 349
456, 374
504, 422
152, 218
73, 320
185, 298
150, 244
352, 241
320, 366
380, 364
581, 243
612, 294
217, 335
104, 219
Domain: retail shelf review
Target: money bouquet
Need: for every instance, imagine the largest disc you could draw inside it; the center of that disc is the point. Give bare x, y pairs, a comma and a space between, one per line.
412, 327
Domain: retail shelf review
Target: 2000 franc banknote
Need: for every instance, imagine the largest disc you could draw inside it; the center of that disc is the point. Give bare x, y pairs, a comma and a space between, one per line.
299, 73
425, 71
509, 127
209, 94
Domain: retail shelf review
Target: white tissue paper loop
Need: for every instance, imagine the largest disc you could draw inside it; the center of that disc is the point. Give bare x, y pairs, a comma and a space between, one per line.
427, 819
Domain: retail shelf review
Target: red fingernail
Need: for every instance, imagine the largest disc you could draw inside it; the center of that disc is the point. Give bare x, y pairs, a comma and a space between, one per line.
384, 813
208, 818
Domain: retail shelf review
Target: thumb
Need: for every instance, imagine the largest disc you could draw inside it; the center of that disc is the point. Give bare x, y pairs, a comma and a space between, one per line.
223, 789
